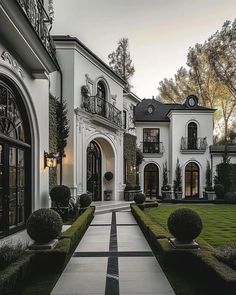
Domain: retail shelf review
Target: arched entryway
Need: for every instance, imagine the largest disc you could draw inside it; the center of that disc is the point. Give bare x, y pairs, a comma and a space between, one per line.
151, 180
192, 180
94, 170
15, 160
101, 159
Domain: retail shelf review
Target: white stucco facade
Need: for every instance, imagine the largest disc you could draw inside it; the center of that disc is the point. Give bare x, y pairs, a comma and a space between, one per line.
172, 132
82, 69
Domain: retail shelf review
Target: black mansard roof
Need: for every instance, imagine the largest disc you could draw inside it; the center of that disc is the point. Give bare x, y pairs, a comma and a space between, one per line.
161, 110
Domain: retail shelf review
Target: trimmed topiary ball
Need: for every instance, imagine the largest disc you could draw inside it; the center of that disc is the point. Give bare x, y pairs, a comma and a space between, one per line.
220, 191
44, 225
108, 176
85, 200
185, 225
60, 194
139, 198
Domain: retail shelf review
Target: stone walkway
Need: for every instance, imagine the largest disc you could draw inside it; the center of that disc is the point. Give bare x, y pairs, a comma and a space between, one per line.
113, 258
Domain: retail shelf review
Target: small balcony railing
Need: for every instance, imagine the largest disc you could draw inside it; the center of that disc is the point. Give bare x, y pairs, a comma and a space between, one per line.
99, 106
152, 147
193, 144
40, 21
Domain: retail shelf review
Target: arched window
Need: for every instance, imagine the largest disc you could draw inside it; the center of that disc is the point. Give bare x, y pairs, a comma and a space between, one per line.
192, 136
101, 99
15, 160
151, 180
101, 90
192, 180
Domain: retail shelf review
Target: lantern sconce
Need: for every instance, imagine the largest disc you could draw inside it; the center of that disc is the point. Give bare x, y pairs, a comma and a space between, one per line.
50, 160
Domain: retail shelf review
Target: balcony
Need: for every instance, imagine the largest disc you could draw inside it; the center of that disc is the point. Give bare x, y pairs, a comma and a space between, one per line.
193, 145
152, 149
103, 112
40, 21
25, 29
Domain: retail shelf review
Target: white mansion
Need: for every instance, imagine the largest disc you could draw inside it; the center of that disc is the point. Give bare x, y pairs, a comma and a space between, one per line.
35, 69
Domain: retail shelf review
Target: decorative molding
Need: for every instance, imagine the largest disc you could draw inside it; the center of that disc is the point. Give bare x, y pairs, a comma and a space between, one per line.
114, 97
6, 56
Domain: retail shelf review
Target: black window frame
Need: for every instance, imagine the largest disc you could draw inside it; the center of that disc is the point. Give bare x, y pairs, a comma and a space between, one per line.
151, 146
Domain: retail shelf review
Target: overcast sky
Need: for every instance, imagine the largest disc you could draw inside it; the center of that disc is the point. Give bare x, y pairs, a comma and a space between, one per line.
159, 31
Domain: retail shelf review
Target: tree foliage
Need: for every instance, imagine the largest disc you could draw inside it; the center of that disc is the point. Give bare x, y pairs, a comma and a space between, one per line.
165, 175
178, 177
211, 76
62, 126
121, 62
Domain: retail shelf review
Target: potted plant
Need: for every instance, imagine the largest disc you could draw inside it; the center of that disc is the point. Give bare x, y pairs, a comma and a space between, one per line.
178, 182
166, 188
209, 190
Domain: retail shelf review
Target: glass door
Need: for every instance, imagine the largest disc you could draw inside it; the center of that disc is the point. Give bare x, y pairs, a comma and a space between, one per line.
12, 188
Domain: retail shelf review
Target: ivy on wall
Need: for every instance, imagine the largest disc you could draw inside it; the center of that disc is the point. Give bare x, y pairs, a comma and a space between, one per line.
52, 139
130, 157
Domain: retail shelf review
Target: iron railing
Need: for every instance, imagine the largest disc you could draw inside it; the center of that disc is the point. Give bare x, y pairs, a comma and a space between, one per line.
101, 107
40, 21
190, 144
152, 147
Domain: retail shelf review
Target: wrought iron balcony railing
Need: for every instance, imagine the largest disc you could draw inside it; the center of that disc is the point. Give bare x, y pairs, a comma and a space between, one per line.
40, 21
152, 147
99, 106
193, 144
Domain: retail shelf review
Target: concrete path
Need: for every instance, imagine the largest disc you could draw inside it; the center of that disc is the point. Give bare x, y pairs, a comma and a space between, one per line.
113, 258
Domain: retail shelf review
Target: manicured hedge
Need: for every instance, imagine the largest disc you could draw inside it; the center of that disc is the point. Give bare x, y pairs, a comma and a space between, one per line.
15, 273
221, 278
68, 240
45, 261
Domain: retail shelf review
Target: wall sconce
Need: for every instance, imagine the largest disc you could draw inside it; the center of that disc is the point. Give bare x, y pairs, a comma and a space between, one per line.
132, 168
50, 160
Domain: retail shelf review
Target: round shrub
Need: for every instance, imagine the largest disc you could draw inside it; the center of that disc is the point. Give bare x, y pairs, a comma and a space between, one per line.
85, 200
184, 224
139, 198
230, 197
60, 194
220, 191
44, 225
108, 176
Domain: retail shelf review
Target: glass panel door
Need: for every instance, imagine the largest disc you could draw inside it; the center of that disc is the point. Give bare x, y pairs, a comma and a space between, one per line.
1, 191
12, 188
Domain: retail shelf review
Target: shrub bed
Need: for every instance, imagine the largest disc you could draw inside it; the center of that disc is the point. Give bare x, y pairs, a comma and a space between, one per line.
220, 277
15, 273
45, 261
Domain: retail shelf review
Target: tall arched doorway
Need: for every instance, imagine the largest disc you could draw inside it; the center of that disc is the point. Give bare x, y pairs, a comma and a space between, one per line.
15, 160
94, 171
192, 180
151, 180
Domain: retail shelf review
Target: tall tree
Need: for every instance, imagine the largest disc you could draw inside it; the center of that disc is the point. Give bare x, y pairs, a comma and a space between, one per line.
211, 75
222, 55
62, 130
121, 62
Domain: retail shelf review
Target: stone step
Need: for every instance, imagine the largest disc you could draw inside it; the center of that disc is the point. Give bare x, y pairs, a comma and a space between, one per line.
105, 207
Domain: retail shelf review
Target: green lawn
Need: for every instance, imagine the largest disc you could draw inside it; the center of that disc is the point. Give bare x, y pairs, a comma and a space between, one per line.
219, 221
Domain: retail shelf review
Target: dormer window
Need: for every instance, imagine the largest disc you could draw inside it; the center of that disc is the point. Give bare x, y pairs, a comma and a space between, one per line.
150, 109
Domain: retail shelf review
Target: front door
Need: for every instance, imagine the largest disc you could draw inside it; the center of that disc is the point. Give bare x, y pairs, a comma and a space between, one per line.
94, 171
12, 188
192, 180
151, 181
